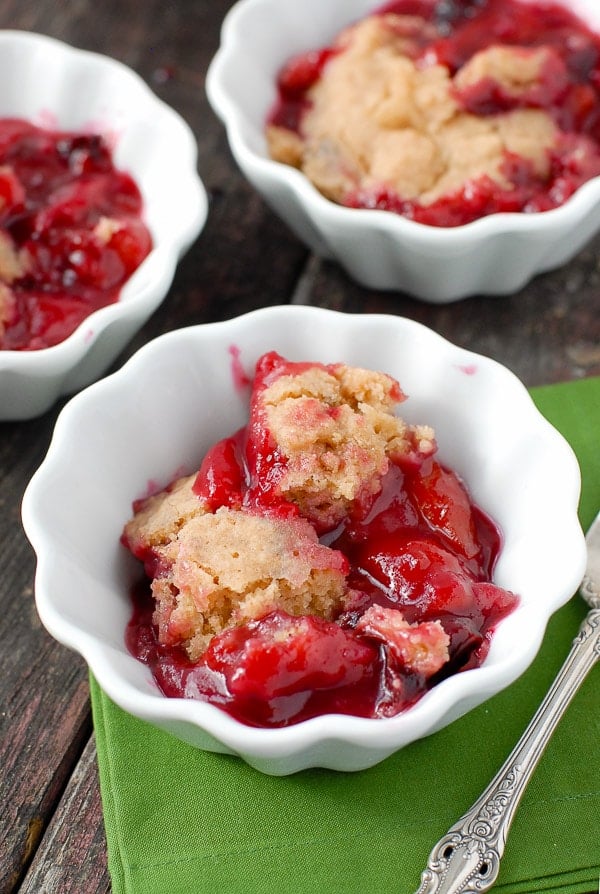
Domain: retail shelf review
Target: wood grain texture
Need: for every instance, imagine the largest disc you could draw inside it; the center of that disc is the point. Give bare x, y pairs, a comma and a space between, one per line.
547, 332
51, 833
44, 712
71, 857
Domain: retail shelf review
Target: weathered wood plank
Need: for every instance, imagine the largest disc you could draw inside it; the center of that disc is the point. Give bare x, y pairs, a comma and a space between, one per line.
71, 857
548, 332
44, 713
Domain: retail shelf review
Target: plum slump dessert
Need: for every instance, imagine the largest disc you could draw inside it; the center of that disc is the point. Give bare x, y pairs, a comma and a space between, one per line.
446, 111
71, 232
321, 560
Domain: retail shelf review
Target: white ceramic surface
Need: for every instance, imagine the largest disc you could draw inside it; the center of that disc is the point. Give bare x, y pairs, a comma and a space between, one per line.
154, 418
495, 255
53, 84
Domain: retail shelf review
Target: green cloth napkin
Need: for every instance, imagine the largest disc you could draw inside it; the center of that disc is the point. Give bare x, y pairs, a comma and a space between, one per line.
181, 821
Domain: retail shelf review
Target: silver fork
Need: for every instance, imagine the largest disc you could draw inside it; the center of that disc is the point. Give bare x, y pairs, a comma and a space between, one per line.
467, 859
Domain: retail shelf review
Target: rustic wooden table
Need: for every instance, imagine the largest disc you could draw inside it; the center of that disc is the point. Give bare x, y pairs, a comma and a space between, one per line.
51, 832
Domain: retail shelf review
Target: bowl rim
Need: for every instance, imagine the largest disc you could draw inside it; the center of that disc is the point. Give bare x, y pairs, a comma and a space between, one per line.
139, 292
257, 743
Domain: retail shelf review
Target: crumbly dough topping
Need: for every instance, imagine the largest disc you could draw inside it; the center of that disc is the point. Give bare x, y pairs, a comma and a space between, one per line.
13, 265
7, 307
379, 119
337, 431
159, 518
106, 228
231, 566
422, 648
515, 69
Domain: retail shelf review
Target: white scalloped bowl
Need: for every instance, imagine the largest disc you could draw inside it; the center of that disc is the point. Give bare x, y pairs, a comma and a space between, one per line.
49, 82
495, 255
154, 419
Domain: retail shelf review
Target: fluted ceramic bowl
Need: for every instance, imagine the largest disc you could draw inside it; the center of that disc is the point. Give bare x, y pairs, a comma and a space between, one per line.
153, 420
497, 254
50, 83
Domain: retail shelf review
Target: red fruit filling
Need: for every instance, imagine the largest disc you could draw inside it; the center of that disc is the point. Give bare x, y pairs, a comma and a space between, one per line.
71, 232
567, 88
417, 557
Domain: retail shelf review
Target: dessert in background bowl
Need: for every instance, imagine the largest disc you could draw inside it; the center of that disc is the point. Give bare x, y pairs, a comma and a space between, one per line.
485, 425
101, 197
446, 113
71, 232
473, 125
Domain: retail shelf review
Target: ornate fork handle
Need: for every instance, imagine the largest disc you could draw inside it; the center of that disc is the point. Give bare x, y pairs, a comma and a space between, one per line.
467, 859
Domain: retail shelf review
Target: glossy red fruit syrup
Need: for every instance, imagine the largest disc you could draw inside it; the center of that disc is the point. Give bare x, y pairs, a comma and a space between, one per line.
74, 221
420, 547
569, 91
